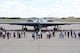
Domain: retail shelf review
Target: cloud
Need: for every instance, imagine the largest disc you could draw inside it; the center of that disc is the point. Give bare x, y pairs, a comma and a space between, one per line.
66, 8
17, 9
29, 0
9, 8
57, 9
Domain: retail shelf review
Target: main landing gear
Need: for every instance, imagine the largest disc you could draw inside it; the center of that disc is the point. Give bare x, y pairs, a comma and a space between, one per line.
24, 28
56, 28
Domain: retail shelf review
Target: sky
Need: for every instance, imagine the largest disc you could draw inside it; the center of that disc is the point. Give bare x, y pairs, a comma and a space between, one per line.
39, 8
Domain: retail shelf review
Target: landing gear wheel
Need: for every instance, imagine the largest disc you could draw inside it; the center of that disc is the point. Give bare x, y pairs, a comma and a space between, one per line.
25, 29
55, 29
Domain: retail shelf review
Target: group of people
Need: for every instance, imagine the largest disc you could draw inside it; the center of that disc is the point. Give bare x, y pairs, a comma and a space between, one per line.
48, 34
62, 34
6, 34
39, 34
69, 33
18, 34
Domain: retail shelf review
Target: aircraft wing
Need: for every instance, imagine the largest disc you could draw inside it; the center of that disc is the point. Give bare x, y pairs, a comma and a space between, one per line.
20, 23
60, 23
40, 23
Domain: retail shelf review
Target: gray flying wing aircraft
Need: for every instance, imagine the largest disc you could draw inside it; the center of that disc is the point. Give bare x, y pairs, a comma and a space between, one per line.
39, 23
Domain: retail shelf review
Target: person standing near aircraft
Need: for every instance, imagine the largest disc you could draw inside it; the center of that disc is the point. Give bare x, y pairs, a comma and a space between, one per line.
19, 35
53, 33
36, 34
47, 33
68, 34
24, 33
3, 34
79, 34
33, 36
41, 34
14, 35
65, 32
8, 35
0, 33
71, 33
75, 34
62, 33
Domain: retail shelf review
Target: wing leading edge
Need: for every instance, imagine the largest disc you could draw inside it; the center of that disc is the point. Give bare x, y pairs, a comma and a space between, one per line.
40, 23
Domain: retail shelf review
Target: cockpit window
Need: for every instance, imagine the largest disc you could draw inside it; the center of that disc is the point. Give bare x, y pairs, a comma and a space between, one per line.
40, 20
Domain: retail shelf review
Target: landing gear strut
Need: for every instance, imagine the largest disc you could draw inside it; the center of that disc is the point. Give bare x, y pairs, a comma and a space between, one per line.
56, 28
36, 29
24, 28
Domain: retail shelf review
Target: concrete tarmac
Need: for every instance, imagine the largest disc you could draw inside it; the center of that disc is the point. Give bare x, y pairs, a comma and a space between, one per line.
44, 45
